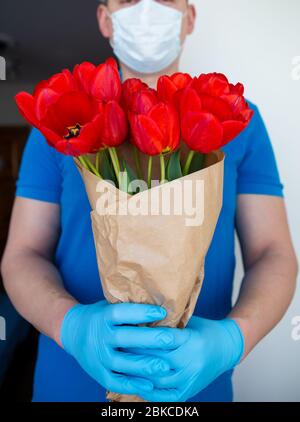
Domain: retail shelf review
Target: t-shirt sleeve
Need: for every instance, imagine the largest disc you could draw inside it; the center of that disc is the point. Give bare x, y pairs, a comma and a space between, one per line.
258, 173
40, 174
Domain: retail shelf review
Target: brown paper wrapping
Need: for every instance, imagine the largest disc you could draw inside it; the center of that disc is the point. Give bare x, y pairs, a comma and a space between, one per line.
156, 259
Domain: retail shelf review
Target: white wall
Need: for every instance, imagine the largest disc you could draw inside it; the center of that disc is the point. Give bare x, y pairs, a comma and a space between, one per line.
256, 41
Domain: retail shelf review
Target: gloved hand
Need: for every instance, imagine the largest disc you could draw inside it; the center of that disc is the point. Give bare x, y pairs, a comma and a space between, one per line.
93, 335
212, 348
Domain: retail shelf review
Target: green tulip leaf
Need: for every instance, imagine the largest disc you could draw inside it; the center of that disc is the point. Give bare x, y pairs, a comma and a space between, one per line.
106, 168
126, 178
197, 162
174, 170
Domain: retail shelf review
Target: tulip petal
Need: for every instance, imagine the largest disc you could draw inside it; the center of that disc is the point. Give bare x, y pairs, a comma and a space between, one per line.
64, 147
190, 102
143, 101
181, 80
217, 106
236, 103
62, 82
26, 106
129, 88
114, 125
166, 88
84, 73
246, 115
25, 103
166, 118
54, 122
91, 134
237, 89
74, 108
232, 129
69, 110
87, 142
202, 132
146, 135
106, 83
43, 100
112, 63
41, 85
214, 84
51, 137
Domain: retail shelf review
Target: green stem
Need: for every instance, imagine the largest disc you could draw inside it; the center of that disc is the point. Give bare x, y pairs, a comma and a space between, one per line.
162, 168
82, 162
188, 163
115, 161
91, 166
137, 159
98, 159
150, 166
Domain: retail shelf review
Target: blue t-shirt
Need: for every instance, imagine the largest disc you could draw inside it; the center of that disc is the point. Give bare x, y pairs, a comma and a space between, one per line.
46, 175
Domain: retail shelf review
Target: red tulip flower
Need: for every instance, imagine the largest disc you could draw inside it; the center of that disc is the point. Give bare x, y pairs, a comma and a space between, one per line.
168, 87
157, 130
213, 112
130, 88
102, 82
78, 113
68, 118
113, 125
143, 101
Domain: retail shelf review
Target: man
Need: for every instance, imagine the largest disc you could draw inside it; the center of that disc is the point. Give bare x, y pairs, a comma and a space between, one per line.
50, 272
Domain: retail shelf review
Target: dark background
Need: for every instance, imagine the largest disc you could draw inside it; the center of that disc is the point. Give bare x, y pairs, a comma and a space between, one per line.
46, 36
37, 38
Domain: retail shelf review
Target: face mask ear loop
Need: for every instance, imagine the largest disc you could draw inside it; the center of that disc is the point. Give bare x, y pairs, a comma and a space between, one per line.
184, 14
109, 14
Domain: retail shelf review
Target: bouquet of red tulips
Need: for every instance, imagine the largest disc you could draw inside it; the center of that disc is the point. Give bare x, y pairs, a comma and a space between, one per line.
153, 171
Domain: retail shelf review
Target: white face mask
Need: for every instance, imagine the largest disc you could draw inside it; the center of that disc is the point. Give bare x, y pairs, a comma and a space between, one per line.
146, 36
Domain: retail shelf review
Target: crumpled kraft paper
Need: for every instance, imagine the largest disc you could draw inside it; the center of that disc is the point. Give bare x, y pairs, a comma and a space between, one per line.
156, 259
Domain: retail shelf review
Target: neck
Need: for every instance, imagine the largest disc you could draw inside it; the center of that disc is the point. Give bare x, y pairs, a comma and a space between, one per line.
149, 79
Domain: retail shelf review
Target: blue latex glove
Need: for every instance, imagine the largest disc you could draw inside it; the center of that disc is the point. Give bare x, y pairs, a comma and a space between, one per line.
94, 335
212, 348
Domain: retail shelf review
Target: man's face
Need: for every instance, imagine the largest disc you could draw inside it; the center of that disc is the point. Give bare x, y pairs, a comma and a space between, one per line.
105, 23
